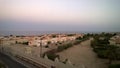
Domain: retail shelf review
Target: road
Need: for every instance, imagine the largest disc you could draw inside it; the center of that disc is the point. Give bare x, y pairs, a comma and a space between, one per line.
10, 62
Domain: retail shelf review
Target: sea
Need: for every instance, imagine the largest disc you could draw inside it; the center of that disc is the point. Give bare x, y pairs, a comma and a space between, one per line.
25, 33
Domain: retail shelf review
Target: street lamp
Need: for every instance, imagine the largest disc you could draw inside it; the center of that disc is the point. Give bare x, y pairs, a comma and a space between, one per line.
41, 47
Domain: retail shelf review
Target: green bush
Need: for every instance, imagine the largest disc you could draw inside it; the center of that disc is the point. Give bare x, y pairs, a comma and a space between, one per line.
102, 54
114, 66
52, 56
60, 48
78, 38
46, 46
25, 43
77, 42
70, 34
63, 47
103, 49
2, 65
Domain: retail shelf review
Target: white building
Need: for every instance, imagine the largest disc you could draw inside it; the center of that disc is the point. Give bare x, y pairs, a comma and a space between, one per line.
115, 40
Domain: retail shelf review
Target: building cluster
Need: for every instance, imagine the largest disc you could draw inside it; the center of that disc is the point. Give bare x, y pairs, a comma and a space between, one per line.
33, 44
115, 40
37, 40
21, 46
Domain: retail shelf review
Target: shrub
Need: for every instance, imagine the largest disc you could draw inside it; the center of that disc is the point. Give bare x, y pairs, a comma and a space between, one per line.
60, 48
114, 66
25, 43
49, 42
2, 65
52, 56
46, 46
77, 42
63, 47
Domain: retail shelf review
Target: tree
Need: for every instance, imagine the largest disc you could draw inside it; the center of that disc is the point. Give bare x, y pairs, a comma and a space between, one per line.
54, 36
49, 42
78, 38
70, 34
52, 56
11, 35
25, 43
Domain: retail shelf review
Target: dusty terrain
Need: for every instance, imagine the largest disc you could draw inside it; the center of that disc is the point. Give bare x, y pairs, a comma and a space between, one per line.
82, 55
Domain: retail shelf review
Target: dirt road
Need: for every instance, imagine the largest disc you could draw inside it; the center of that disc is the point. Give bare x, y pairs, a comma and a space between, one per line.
82, 56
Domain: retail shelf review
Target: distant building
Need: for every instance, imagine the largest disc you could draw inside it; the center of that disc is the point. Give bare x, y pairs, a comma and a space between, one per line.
115, 40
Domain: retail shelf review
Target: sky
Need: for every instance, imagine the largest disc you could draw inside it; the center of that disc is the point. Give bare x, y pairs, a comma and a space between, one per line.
60, 15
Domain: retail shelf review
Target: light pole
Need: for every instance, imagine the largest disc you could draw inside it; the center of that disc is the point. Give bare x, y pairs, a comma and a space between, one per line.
41, 47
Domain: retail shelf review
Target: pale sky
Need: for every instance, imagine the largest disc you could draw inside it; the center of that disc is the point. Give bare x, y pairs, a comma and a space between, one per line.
60, 15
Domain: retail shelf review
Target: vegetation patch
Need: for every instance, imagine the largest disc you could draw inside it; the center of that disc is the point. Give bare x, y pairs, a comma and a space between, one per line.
63, 47
2, 65
114, 66
103, 49
52, 53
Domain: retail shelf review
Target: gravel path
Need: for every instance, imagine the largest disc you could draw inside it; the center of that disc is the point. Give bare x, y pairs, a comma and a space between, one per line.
82, 55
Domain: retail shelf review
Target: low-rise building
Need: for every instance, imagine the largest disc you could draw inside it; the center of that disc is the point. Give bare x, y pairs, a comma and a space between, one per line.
115, 40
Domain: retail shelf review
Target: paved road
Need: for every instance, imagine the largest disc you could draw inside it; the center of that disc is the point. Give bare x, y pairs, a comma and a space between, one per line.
10, 62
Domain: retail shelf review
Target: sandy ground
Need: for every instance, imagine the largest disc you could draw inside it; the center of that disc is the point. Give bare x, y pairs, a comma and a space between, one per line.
82, 55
